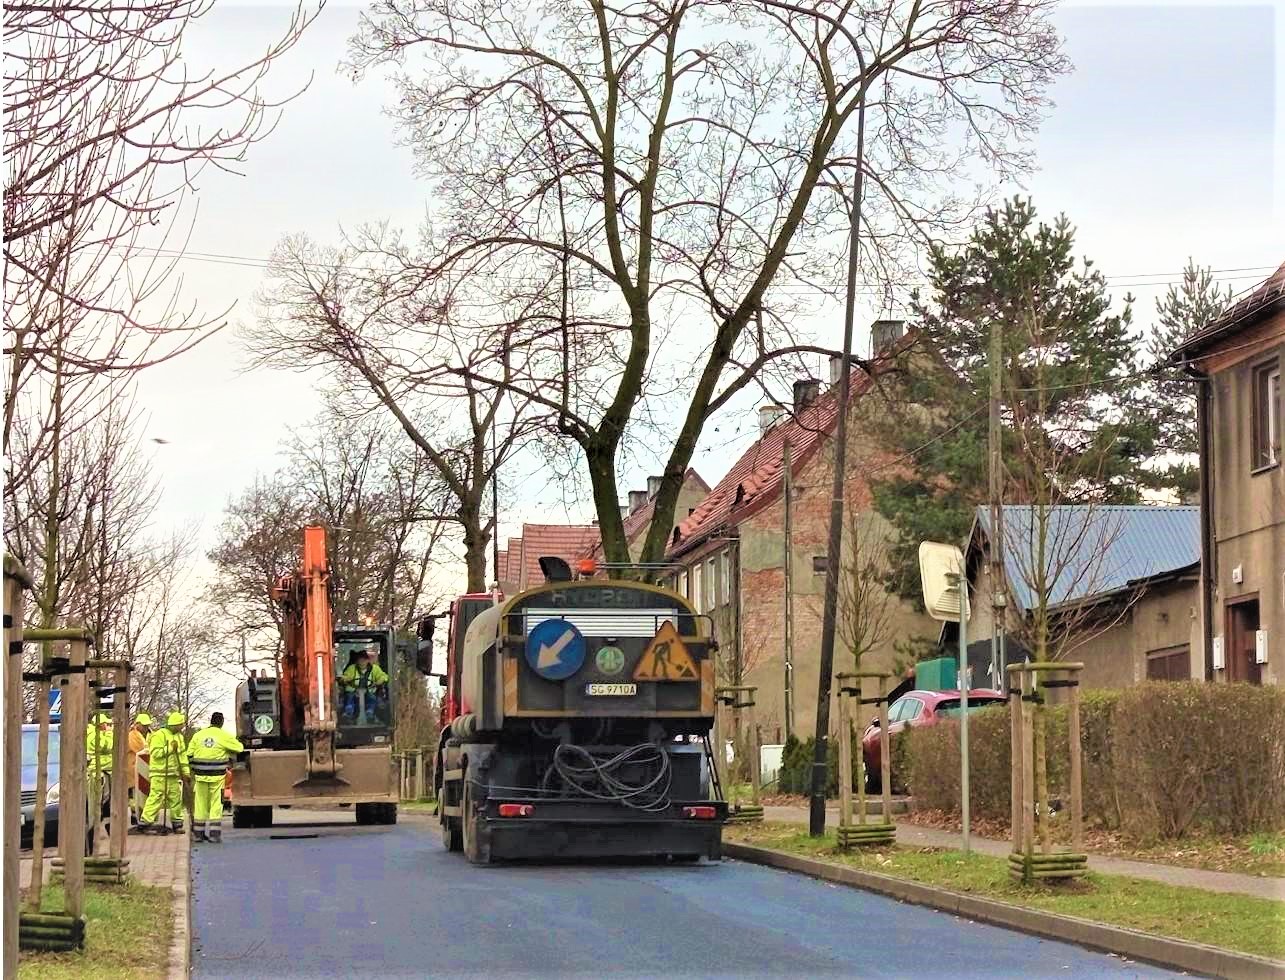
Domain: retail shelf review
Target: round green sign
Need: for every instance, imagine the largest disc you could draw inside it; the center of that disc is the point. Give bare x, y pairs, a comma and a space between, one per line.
611, 660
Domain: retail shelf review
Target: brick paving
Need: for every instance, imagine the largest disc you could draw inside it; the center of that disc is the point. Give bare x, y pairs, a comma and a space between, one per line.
162, 862
1169, 874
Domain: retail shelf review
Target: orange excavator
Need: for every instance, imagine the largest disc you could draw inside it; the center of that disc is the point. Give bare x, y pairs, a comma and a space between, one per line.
309, 736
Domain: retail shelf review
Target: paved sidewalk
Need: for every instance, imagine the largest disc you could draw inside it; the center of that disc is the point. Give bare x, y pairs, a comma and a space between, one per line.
163, 862
1169, 874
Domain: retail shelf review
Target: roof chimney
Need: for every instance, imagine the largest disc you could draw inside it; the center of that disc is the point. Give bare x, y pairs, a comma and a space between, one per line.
624, 510
884, 333
805, 391
836, 368
769, 415
637, 498
653, 485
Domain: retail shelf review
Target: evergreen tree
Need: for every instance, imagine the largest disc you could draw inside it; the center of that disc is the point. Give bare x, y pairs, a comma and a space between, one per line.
1182, 311
1070, 386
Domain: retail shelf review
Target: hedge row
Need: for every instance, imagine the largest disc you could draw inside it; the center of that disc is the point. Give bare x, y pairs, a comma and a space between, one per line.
1159, 759
796, 765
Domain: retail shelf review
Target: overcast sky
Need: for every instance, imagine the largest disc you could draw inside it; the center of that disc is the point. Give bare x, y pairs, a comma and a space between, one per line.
1167, 141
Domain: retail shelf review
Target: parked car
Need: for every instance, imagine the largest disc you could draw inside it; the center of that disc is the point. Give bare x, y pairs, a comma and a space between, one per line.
916, 709
53, 792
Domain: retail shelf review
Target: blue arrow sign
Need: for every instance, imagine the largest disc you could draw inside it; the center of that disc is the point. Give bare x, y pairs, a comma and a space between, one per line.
555, 649
55, 704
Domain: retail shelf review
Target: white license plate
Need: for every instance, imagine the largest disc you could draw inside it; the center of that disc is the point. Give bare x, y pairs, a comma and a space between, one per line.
611, 690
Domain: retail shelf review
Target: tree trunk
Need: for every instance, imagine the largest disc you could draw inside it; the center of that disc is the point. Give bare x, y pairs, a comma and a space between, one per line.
476, 542
606, 500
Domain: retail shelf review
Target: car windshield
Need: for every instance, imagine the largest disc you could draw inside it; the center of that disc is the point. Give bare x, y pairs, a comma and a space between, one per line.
950, 709
29, 747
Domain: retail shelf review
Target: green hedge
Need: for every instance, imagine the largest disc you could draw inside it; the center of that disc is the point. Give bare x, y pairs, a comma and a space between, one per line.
1159, 759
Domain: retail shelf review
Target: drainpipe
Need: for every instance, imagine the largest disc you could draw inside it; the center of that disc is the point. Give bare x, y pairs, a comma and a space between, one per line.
1208, 542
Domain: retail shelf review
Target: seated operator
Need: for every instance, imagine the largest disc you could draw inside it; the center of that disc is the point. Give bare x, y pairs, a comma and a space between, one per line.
363, 674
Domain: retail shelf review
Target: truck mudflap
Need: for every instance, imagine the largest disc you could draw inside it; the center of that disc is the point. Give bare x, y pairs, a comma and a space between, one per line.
531, 829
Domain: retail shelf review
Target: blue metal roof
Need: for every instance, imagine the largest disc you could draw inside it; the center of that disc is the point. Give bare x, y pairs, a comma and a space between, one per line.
1093, 550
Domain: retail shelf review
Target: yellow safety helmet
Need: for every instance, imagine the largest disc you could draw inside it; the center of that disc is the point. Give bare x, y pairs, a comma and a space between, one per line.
143, 718
175, 718
102, 718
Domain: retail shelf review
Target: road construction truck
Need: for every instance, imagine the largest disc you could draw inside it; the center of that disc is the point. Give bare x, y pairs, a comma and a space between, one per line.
578, 721
321, 730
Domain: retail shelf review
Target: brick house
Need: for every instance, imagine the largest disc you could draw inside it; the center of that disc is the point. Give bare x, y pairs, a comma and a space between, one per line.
520, 559
638, 512
728, 555
1122, 586
1237, 361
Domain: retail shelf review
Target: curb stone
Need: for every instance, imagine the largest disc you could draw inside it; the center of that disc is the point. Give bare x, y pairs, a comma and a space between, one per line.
180, 955
1176, 953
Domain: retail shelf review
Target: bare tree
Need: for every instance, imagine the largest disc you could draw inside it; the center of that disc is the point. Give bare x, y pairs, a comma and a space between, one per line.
678, 167
866, 607
381, 504
106, 129
363, 313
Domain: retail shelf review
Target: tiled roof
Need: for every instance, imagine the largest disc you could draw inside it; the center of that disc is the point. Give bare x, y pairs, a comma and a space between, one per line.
567, 541
637, 521
512, 563
1261, 301
756, 478
1093, 551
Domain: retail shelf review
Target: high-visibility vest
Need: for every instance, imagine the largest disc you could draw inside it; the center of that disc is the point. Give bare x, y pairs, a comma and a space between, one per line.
167, 756
98, 746
210, 750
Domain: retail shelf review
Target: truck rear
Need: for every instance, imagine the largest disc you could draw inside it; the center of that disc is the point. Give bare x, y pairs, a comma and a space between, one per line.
581, 727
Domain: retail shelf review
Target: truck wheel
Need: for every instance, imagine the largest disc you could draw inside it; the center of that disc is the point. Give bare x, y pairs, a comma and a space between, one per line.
258, 816
243, 817
388, 814
364, 815
452, 835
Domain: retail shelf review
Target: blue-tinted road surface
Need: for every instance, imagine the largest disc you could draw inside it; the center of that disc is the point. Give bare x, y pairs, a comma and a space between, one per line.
390, 902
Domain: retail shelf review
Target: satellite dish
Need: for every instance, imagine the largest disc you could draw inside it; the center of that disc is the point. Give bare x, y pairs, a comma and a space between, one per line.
940, 570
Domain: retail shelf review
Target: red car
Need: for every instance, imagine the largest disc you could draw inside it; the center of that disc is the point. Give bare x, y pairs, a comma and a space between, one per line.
917, 708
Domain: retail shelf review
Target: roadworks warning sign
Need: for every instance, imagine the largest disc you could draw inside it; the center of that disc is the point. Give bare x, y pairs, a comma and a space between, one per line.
666, 658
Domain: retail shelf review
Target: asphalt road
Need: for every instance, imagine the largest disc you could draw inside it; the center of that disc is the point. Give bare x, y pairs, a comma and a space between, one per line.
329, 900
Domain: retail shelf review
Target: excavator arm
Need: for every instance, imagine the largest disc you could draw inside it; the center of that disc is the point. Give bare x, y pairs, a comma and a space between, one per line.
308, 663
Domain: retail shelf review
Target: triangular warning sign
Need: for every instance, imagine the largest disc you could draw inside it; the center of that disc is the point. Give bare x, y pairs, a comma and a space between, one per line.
666, 659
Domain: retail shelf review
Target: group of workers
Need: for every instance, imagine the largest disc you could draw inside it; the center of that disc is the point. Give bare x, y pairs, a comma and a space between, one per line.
202, 760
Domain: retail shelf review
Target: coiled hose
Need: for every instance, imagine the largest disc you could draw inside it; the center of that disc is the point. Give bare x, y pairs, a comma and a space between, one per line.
581, 771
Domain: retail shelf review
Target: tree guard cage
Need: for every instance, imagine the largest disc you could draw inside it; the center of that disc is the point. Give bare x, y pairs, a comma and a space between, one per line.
863, 832
1027, 684
739, 701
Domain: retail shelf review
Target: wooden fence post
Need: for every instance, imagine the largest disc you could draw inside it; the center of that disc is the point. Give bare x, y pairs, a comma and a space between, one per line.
1077, 796
120, 746
16, 580
35, 888
72, 802
1014, 679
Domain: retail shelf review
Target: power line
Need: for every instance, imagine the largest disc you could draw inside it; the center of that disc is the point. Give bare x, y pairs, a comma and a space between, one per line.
1150, 278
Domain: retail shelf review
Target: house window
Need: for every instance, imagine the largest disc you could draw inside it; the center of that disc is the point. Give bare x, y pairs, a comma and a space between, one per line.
725, 578
682, 584
1267, 414
697, 592
1170, 664
711, 585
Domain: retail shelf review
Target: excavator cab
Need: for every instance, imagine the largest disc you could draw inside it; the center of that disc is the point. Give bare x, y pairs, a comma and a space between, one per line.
363, 673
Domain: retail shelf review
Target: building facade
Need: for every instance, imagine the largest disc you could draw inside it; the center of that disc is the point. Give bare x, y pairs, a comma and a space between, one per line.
730, 554
1237, 361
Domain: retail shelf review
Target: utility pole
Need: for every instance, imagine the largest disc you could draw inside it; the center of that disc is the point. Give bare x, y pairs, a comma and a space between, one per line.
830, 614
996, 495
787, 466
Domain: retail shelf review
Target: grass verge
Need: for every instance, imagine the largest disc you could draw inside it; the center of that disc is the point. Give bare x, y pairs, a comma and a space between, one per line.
1236, 922
418, 806
127, 936
1260, 854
